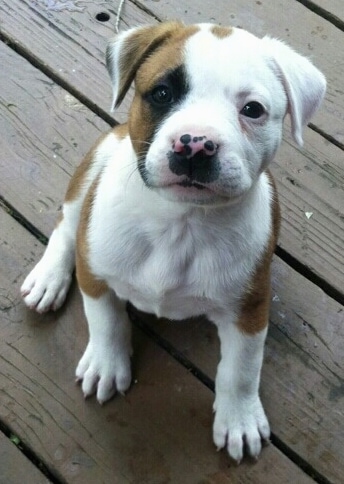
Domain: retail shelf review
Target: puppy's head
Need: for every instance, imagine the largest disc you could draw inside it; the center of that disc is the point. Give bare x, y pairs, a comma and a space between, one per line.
209, 104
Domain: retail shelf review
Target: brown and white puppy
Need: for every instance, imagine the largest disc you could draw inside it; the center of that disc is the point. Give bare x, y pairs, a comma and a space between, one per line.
176, 211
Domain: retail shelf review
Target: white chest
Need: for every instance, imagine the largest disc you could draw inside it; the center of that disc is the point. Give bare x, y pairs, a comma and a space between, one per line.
175, 262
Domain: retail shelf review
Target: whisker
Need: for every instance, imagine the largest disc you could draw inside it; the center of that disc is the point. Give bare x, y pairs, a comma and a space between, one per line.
131, 174
141, 141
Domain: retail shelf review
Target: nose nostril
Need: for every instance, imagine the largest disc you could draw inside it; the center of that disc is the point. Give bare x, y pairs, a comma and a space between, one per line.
185, 139
210, 146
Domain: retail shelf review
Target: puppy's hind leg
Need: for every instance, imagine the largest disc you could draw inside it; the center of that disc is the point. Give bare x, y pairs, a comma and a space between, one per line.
47, 284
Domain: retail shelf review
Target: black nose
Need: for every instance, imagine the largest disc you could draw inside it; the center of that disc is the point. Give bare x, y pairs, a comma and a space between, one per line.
196, 157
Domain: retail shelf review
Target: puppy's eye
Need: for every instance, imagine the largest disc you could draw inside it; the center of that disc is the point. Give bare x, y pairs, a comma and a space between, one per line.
253, 110
162, 95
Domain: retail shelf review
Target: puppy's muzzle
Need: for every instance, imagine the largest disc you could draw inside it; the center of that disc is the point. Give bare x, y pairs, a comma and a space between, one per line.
195, 158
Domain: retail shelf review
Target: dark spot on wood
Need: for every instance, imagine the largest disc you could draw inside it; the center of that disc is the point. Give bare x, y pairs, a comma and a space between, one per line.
336, 392
102, 17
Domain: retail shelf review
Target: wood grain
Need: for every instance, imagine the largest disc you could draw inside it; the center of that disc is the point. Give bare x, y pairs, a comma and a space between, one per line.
45, 134
310, 182
159, 432
70, 44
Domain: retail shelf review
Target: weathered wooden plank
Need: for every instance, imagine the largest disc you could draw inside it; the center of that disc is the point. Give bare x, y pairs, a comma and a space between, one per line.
311, 193
302, 379
69, 42
46, 132
15, 468
308, 33
79, 39
161, 430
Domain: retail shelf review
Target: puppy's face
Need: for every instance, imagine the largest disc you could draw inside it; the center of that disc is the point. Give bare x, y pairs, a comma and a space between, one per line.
208, 111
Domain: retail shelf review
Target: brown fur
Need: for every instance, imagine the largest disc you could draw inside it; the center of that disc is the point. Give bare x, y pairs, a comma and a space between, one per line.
86, 280
76, 182
167, 56
221, 32
254, 315
139, 46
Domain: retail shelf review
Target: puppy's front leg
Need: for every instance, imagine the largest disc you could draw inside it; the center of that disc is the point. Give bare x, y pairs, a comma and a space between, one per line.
240, 418
105, 365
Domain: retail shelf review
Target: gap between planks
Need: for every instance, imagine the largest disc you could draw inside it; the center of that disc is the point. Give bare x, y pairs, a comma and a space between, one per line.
40, 472
322, 12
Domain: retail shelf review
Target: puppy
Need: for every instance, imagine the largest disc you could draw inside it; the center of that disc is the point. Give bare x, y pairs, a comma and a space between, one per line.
176, 212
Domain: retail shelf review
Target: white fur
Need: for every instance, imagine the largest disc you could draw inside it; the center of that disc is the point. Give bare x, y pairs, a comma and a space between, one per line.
237, 406
166, 262
180, 251
105, 365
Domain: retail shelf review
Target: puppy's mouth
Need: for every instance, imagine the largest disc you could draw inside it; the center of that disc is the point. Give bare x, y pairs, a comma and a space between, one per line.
187, 183
189, 191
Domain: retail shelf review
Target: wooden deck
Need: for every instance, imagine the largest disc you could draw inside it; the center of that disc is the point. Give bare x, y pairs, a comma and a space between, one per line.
54, 102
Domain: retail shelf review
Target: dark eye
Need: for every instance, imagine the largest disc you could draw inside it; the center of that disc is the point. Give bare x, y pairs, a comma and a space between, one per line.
162, 95
253, 110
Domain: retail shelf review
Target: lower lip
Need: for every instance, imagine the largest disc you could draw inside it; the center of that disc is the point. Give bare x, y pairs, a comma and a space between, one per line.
191, 185
191, 191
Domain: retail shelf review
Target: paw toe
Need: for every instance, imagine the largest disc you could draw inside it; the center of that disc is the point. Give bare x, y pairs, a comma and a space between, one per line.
45, 288
235, 446
106, 390
89, 384
253, 443
264, 430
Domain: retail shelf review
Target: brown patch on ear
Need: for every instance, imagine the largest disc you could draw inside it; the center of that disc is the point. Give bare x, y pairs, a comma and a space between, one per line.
254, 315
136, 48
87, 281
221, 32
78, 179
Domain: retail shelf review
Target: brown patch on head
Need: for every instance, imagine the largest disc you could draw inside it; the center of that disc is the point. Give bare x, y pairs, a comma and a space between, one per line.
221, 32
129, 50
254, 315
79, 178
87, 281
166, 58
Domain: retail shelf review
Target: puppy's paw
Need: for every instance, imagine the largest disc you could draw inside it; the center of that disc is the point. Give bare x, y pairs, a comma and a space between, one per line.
240, 425
46, 287
103, 371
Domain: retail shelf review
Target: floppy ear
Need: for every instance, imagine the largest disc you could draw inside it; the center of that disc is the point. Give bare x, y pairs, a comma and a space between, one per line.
126, 52
304, 84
